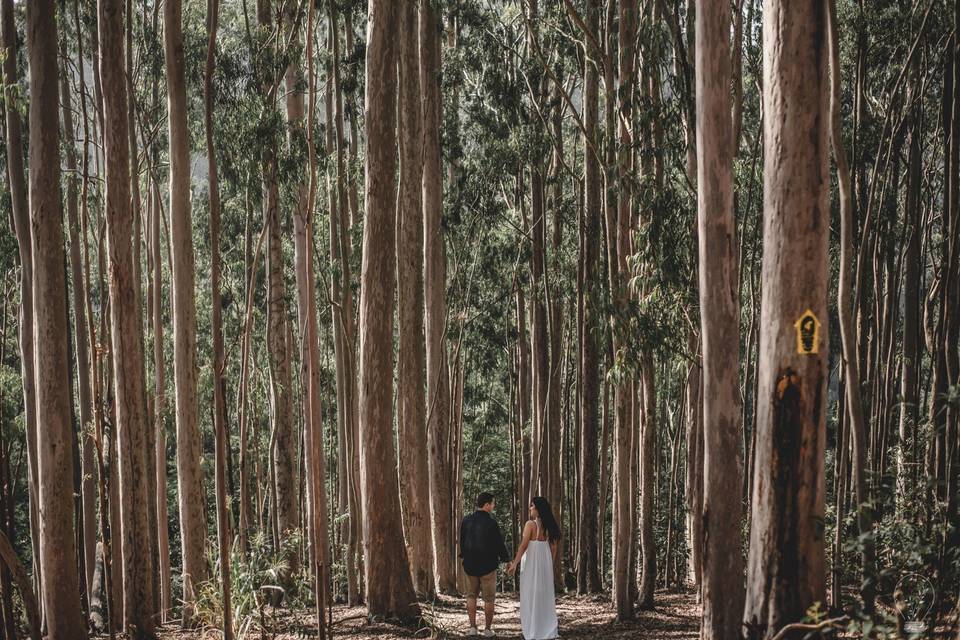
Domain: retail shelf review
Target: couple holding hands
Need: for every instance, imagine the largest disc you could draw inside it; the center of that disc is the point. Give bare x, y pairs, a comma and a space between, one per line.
482, 549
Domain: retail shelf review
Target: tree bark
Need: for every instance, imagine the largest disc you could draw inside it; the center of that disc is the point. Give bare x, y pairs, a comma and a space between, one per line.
411, 400
722, 585
435, 278
693, 480
912, 306
588, 575
279, 351
618, 237
851, 359
12, 564
159, 417
127, 338
786, 563
58, 560
193, 524
220, 432
343, 320
390, 591
81, 337
17, 183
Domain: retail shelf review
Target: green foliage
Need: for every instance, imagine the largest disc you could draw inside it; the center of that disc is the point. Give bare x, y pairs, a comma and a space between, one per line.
261, 566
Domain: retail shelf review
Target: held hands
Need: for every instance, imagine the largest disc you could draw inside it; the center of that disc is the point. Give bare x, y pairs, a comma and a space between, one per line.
511, 568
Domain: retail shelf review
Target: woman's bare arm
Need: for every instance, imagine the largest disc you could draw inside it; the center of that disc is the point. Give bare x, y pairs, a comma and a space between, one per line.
527, 534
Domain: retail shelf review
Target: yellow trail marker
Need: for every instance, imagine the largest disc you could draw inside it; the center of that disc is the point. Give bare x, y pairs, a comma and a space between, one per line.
808, 333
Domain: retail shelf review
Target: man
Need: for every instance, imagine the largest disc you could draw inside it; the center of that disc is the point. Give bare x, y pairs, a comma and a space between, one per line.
482, 550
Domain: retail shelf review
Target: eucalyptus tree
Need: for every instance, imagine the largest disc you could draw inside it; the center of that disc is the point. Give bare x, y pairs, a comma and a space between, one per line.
193, 525
785, 574
389, 585
722, 583
411, 362
60, 581
127, 348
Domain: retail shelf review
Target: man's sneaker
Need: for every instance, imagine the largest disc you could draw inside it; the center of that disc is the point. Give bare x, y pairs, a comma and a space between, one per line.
472, 632
488, 633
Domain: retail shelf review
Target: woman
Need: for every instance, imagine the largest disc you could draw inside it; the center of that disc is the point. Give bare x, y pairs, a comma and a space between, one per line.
538, 551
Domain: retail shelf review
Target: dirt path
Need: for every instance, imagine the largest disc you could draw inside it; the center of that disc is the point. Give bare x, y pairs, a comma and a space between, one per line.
677, 616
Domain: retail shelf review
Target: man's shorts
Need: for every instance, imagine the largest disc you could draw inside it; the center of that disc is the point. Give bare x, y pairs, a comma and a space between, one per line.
487, 585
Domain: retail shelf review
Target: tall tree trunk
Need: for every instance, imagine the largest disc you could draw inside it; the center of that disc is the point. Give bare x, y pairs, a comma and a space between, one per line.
81, 337
17, 183
786, 563
127, 338
851, 360
411, 401
389, 586
140, 234
58, 559
912, 306
221, 437
316, 463
435, 279
193, 526
722, 586
618, 236
649, 454
344, 325
693, 480
554, 426
539, 339
279, 351
159, 417
588, 575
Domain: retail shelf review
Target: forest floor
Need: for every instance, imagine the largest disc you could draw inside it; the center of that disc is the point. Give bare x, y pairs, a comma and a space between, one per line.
676, 616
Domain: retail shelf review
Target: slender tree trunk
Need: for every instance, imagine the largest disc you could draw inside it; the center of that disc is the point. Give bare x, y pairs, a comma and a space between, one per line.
851, 359
7, 507
127, 338
58, 560
618, 236
722, 585
17, 183
159, 418
435, 277
555, 317
81, 337
316, 462
588, 575
912, 306
411, 399
693, 481
344, 326
389, 586
279, 351
221, 437
140, 234
539, 338
525, 401
193, 524
785, 575
13, 565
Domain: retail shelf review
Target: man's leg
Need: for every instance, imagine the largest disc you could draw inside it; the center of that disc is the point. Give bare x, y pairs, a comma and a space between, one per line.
472, 611
489, 584
473, 590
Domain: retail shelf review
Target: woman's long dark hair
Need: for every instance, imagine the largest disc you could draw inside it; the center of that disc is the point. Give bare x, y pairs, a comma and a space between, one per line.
546, 517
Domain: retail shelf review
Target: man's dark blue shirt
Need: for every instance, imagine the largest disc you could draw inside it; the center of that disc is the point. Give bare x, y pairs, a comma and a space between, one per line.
481, 544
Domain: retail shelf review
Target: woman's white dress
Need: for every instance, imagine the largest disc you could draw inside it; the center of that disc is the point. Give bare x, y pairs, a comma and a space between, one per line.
538, 607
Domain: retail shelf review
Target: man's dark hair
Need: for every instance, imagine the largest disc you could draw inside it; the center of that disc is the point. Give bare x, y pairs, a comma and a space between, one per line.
484, 499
